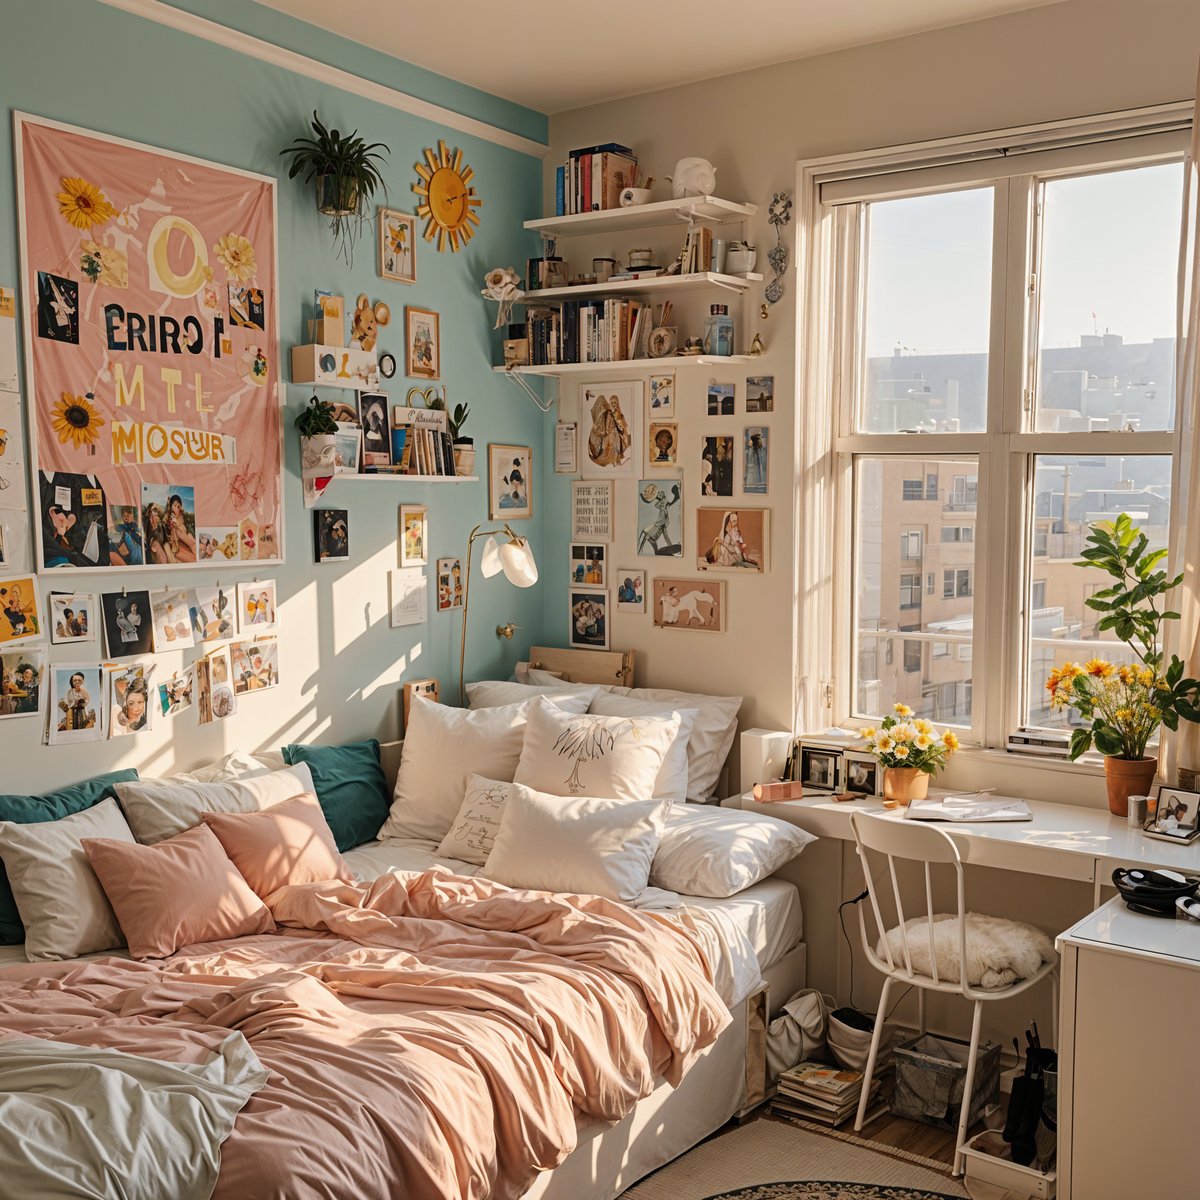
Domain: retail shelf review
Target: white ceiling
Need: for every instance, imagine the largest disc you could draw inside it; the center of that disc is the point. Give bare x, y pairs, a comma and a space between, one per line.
554, 55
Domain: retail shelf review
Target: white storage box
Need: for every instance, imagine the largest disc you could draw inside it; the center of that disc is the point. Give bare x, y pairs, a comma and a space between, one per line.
991, 1177
335, 366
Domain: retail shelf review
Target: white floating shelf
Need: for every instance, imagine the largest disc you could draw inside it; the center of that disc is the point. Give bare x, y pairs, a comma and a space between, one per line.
397, 477
642, 287
645, 216
668, 363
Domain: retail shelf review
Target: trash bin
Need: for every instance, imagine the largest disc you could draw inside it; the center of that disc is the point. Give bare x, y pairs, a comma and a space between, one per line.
930, 1077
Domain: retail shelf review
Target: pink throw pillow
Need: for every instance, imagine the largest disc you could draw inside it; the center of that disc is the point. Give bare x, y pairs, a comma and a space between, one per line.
175, 893
290, 842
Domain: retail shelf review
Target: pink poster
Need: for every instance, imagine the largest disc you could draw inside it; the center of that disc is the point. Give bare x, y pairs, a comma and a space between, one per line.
151, 342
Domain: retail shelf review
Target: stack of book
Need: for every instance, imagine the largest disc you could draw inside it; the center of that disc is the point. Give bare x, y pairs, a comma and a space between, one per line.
421, 443
593, 178
828, 1095
601, 330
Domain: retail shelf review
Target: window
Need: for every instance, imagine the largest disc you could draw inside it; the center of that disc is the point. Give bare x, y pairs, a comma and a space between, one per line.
1007, 308
910, 544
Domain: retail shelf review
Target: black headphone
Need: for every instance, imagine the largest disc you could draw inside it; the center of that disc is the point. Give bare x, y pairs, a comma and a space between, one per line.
1152, 892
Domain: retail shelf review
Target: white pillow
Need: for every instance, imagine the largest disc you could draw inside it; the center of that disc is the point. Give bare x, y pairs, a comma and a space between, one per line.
157, 809
537, 675
474, 830
234, 765
580, 844
442, 746
568, 754
711, 851
671, 784
712, 735
490, 693
62, 905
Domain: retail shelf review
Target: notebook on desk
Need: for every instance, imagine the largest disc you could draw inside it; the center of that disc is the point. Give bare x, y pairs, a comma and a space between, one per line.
969, 809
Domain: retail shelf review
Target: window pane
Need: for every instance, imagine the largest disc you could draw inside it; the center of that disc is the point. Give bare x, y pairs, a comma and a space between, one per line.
927, 287
1106, 338
913, 589
1069, 493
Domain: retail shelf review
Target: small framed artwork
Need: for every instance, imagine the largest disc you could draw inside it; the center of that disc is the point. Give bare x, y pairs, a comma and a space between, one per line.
631, 589
716, 465
721, 399
664, 443
566, 458
256, 606
690, 604
77, 700
423, 342
397, 245
732, 539
409, 600
589, 620
23, 675
19, 618
347, 444
820, 767
73, 617
861, 773
1175, 818
331, 535
659, 520
760, 393
255, 664
756, 459
611, 429
588, 566
449, 584
414, 535
128, 631
662, 396
376, 435
510, 482
591, 510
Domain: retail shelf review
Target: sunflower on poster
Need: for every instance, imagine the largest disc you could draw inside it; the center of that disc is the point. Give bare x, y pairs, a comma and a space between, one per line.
76, 420
236, 255
82, 204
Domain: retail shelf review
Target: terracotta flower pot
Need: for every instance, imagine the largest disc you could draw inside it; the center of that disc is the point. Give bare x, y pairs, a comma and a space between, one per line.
1125, 777
902, 784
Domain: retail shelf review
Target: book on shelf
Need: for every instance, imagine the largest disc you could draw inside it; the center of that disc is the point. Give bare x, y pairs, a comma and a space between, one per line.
421, 442
593, 178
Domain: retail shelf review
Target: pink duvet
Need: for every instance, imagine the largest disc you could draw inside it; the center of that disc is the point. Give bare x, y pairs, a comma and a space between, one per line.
426, 1035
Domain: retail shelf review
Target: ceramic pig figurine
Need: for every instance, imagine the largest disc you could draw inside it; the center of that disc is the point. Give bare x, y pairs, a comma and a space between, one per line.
693, 177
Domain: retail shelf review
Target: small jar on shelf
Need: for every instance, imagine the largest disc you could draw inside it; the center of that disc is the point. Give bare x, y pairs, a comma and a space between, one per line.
718, 331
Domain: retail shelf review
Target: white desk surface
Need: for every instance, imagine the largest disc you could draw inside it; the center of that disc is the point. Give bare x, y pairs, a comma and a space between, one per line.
1115, 927
1063, 840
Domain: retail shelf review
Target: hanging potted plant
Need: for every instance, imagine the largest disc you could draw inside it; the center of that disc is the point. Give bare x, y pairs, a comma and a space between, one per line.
345, 171
1125, 704
911, 752
318, 452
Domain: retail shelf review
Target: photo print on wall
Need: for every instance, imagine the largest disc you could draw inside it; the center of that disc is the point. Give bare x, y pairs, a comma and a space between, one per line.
588, 565
756, 459
510, 482
20, 620
255, 664
175, 694
589, 619
331, 535
129, 701
22, 681
660, 519
77, 703
690, 604
213, 618
128, 624
631, 589
256, 606
721, 399
662, 396
716, 465
611, 417
760, 393
732, 539
449, 584
171, 612
664, 443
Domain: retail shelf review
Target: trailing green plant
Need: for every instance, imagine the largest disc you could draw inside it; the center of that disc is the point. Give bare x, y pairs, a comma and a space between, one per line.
346, 173
1125, 704
316, 418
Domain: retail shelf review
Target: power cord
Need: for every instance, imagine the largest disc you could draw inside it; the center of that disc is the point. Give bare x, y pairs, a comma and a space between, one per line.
842, 922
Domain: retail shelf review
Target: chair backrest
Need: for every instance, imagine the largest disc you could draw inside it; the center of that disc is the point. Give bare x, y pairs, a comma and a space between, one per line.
893, 841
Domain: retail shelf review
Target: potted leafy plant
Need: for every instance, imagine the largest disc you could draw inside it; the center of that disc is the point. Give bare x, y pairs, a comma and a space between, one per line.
1124, 704
464, 447
346, 173
318, 452
911, 752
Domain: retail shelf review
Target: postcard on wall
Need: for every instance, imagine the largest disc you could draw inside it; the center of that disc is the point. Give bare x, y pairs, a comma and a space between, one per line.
220, 671
716, 465
376, 433
203, 691
589, 565
690, 604
217, 543
397, 245
612, 429
591, 511
631, 589
175, 694
213, 618
331, 535
256, 606
662, 397
74, 617
20, 620
566, 446
22, 681
732, 539
664, 443
169, 524
760, 393
171, 613
756, 459
720, 399
129, 701
409, 596
77, 703
510, 482
660, 519
414, 535
128, 624
449, 584
589, 619
255, 664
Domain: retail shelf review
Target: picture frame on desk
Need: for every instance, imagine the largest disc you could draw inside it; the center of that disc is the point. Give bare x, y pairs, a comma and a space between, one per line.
1177, 816
862, 774
820, 767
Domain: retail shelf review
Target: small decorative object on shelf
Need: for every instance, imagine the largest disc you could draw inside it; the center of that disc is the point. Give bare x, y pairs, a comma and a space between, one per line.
346, 173
503, 285
779, 213
718, 331
693, 177
758, 347
368, 319
1125, 704
911, 751
318, 429
464, 447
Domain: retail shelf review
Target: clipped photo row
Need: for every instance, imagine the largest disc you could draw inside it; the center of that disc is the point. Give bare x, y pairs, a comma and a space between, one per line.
694, 604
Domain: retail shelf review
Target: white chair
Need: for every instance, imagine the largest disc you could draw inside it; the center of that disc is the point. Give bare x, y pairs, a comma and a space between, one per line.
899, 840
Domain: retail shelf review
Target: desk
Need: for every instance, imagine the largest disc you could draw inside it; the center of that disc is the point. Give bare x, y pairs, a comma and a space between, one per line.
1063, 841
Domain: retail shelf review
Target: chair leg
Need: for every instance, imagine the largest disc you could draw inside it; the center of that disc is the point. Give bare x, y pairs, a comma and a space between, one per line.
921, 1028
869, 1073
968, 1087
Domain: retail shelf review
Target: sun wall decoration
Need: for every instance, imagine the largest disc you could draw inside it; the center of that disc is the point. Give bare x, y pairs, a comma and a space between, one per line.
447, 199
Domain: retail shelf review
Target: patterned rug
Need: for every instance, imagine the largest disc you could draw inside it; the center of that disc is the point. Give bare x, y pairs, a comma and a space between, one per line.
797, 1190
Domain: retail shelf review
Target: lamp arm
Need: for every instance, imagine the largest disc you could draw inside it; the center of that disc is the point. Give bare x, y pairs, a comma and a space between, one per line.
478, 532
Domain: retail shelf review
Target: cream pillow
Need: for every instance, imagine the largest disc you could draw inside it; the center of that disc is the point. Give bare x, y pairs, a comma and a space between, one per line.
567, 754
489, 693
671, 784
62, 905
474, 830
160, 808
580, 844
442, 746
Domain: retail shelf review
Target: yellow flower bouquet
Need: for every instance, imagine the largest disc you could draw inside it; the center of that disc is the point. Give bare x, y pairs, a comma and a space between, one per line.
905, 741
1121, 704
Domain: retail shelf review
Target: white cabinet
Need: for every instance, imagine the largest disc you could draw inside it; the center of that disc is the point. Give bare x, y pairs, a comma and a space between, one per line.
1129, 1057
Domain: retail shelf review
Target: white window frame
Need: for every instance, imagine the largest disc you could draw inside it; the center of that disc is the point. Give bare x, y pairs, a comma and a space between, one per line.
828, 362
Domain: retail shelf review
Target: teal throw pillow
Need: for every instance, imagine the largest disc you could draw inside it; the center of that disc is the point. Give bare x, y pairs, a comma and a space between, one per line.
350, 787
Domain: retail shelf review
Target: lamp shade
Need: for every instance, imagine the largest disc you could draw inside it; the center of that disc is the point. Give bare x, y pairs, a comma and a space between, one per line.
516, 559
490, 564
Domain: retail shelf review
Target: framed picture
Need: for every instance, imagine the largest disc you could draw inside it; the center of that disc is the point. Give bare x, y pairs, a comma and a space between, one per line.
659, 519
256, 606
690, 604
171, 615
820, 767
376, 434
423, 342
510, 482
631, 589
213, 618
77, 703
414, 535
760, 393
19, 618
663, 447
73, 617
397, 245
22, 679
1176, 814
716, 465
862, 774
128, 629
662, 396
588, 565
611, 420
591, 510
756, 459
331, 535
589, 620
732, 539
408, 602
449, 584
347, 445
721, 399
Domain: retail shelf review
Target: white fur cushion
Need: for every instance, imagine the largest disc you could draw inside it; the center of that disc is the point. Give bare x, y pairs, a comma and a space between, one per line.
999, 951
473, 833
618, 758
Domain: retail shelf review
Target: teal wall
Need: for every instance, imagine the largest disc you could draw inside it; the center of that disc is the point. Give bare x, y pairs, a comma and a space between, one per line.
85, 63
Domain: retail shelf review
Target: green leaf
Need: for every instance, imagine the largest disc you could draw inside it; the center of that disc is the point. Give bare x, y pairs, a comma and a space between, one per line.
1081, 743
1108, 741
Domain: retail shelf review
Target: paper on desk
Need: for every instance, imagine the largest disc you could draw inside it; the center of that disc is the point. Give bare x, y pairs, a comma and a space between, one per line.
969, 808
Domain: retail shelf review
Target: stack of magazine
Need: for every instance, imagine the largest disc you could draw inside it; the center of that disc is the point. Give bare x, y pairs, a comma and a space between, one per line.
829, 1095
